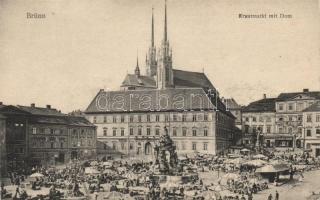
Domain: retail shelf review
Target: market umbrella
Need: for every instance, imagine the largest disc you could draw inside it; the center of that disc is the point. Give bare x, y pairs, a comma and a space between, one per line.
36, 175
256, 163
259, 156
272, 169
245, 150
235, 161
94, 163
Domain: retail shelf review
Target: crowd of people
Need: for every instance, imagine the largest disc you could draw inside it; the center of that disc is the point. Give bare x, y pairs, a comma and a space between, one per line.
137, 178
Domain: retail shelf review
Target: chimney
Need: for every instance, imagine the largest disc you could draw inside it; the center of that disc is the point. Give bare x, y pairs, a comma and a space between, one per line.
49, 106
264, 96
33, 105
305, 90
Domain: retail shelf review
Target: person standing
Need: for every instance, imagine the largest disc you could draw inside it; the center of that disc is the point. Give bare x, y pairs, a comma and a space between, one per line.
270, 197
277, 195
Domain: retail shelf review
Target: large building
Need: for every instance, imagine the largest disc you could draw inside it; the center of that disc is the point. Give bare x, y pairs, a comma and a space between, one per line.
44, 136
311, 129
280, 119
130, 121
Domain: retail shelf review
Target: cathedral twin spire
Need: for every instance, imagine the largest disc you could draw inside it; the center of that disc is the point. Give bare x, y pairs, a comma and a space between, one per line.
160, 66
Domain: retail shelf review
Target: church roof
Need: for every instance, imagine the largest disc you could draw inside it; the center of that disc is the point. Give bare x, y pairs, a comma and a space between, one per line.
140, 81
183, 78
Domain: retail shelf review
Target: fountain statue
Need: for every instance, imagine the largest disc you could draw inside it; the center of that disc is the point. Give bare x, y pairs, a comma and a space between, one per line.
166, 159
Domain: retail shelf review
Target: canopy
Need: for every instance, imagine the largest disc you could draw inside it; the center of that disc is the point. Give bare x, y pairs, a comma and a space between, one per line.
36, 175
256, 163
259, 156
272, 169
245, 150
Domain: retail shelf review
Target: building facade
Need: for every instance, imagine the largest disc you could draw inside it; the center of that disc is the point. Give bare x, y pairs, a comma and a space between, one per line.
259, 116
311, 130
45, 136
280, 119
130, 121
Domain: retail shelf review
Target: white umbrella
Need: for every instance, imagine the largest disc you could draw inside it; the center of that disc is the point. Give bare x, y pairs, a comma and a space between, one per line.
259, 156
256, 163
244, 150
36, 175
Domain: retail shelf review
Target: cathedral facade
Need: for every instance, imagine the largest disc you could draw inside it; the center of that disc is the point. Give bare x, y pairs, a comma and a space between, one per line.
130, 121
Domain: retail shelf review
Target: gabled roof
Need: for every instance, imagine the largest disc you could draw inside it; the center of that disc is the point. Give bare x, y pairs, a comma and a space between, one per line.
313, 108
150, 100
139, 81
183, 78
262, 105
41, 111
288, 96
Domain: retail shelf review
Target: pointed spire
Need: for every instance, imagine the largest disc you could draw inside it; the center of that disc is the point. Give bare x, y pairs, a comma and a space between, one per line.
152, 30
137, 66
137, 70
165, 21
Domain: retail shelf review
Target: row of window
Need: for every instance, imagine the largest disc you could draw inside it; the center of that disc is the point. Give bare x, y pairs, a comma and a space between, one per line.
310, 118
139, 131
282, 118
260, 119
151, 118
83, 132
294, 106
309, 132
123, 146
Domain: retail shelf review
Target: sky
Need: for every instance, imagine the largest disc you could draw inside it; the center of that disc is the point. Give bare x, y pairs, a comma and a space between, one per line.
83, 46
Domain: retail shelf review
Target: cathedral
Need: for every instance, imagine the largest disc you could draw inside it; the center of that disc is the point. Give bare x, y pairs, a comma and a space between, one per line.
130, 121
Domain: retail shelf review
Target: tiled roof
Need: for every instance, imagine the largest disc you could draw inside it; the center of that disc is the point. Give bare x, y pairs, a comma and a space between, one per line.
150, 100
45, 115
174, 99
65, 120
263, 105
140, 81
41, 111
286, 96
183, 78
313, 108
